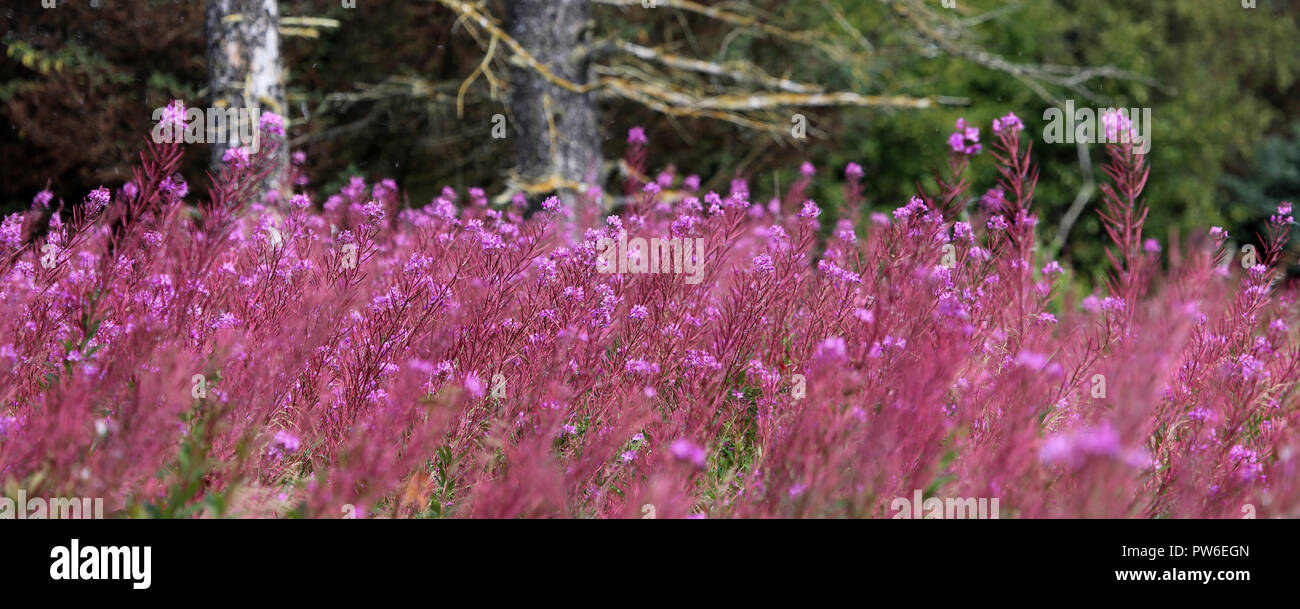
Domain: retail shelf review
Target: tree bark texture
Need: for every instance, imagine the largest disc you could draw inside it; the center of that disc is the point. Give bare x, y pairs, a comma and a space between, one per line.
244, 68
555, 129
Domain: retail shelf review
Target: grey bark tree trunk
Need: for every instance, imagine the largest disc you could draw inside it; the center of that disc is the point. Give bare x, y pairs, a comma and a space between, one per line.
557, 134
244, 65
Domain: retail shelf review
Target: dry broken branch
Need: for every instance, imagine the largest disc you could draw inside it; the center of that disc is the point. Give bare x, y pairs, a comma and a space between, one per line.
743, 72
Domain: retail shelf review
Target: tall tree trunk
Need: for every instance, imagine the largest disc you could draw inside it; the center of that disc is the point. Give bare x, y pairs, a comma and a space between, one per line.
244, 65
557, 135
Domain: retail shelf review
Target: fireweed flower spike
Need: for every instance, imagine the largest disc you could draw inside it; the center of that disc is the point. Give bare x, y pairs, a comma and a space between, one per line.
272, 123
965, 140
1007, 125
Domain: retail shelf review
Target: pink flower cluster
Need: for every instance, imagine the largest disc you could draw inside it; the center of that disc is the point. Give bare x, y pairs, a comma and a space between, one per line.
175, 353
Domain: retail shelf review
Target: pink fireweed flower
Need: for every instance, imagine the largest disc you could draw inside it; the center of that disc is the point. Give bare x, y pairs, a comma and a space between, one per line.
10, 426
993, 200
837, 274
965, 140
684, 450
272, 123
915, 207
1283, 215
844, 230
176, 187
519, 201
97, 200
373, 212
474, 385
713, 199
740, 189
1074, 448
638, 312
1248, 368
42, 200
1031, 360
1200, 414
701, 360
1117, 127
357, 187
962, 230
1112, 304
477, 196
574, 293
641, 367
636, 135
1008, 125
283, 444
235, 157
832, 348
1246, 462
491, 242
175, 112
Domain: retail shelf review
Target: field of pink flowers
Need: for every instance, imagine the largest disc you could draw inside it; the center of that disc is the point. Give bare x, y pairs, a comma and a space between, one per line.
235, 354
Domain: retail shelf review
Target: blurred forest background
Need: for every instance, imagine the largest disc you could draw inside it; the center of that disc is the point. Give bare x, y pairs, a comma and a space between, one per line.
376, 94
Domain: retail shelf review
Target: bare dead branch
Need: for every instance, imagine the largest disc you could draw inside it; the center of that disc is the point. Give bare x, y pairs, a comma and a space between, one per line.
743, 72
767, 101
